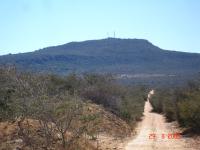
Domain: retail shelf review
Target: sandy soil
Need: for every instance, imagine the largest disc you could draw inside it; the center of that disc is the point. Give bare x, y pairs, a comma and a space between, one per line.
155, 124
107, 142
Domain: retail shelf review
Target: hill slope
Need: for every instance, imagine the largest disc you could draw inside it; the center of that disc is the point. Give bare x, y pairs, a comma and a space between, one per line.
106, 55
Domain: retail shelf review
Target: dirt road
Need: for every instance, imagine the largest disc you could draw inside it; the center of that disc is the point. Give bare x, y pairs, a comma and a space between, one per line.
154, 124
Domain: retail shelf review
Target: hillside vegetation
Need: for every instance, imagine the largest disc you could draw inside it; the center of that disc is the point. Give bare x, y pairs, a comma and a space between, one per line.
49, 111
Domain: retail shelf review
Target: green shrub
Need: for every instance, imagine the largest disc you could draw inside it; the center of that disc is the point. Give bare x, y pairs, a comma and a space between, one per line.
189, 112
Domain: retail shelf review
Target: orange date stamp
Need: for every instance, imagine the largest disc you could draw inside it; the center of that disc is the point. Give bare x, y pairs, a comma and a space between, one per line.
154, 136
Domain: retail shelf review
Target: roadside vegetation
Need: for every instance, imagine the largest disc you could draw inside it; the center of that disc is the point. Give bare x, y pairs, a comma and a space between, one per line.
55, 112
181, 104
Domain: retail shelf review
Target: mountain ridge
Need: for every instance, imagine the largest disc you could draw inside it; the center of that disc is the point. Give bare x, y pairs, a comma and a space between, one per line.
112, 55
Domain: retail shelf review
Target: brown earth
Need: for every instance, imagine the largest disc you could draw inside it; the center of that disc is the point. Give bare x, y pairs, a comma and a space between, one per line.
112, 132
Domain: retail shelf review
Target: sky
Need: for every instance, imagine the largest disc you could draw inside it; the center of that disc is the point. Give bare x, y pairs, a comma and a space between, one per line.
28, 25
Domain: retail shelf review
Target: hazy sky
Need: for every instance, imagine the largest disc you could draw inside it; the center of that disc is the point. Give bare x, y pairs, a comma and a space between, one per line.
27, 25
